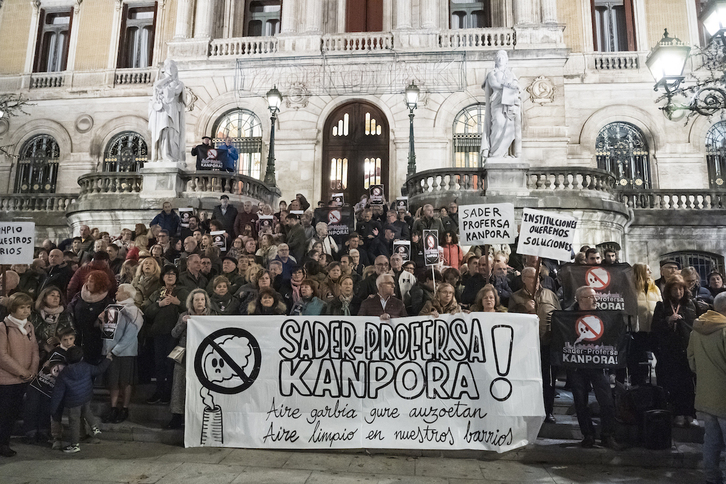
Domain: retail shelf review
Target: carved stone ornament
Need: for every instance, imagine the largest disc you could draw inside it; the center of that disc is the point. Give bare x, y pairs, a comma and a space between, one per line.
298, 96
84, 123
4, 126
190, 99
542, 90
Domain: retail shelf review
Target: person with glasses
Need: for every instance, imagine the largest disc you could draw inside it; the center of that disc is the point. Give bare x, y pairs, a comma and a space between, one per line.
369, 285
383, 303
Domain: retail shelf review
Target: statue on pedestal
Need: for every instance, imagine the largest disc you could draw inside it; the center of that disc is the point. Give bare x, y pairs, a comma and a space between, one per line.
166, 115
503, 112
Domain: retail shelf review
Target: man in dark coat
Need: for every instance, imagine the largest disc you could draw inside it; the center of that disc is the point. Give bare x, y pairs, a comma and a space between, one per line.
200, 151
168, 220
226, 214
383, 303
483, 277
59, 272
296, 239
193, 278
245, 217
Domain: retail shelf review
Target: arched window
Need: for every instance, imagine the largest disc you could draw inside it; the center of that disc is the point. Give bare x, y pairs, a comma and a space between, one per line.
622, 150
38, 165
244, 128
125, 152
467, 136
716, 154
703, 262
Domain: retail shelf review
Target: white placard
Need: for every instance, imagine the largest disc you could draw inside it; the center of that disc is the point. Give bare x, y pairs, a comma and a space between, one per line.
546, 234
464, 381
17, 242
487, 224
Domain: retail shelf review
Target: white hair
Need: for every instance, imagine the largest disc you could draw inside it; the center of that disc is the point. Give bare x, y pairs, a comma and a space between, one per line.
128, 289
719, 303
382, 278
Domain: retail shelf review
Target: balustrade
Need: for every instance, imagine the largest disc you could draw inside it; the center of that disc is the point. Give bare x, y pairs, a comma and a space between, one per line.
134, 76
242, 46
41, 80
433, 182
102, 183
617, 61
489, 38
674, 199
571, 179
356, 42
202, 183
54, 202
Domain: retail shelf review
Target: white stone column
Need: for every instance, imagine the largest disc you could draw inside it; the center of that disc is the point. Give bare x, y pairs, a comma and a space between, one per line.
549, 11
523, 12
183, 17
429, 14
32, 36
288, 17
204, 19
340, 18
73, 40
313, 16
403, 14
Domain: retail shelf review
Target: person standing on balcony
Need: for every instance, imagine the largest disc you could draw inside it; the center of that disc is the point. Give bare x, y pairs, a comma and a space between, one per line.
200, 151
232, 155
226, 214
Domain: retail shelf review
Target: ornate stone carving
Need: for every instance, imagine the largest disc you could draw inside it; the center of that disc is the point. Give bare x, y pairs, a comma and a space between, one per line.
84, 123
298, 96
166, 115
190, 99
542, 90
4, 126
503, 115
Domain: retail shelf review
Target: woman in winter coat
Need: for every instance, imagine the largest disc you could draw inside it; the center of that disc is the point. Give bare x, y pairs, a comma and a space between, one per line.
223, 301
18, 364
330, 287
309, 304
248, 293
346, 303
715, 283
453, 255
444, 302
673, 320
197, 304
267, 303
147, 279
124, 347
85, 308
162, 311
648, 297
49, 318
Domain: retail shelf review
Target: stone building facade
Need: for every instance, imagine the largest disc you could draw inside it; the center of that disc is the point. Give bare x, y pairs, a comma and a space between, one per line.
594, 141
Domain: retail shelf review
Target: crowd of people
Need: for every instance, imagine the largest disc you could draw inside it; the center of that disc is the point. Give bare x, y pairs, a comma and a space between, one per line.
251, 260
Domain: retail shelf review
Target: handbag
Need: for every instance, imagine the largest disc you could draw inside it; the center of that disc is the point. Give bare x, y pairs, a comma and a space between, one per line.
178, 354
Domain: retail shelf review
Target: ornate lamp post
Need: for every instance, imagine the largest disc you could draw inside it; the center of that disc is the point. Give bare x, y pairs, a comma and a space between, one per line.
274, 99
412, 102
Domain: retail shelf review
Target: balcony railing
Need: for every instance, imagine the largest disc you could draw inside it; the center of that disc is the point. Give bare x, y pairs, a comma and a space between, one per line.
674, 199
102, 183
30, 202
614, 61
124, 77
571, 179
490, 38
356, 42
242, 46
439, 181
212, 183
44, 80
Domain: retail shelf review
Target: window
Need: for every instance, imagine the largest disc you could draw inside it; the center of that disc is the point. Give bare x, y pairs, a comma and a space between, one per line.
702, 33
54, 35
125, 152
136, 46
364, 16
467, 136
38, 166
612, 25
263, 18
704, 262
466, 14
246, 132
716, 154
621, 149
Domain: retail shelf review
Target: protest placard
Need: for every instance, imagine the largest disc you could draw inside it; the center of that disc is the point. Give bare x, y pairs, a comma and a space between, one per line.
110, 321
402, 204
339, 199
431, 247
402, 248
17, 241
376, 195
215, 160
219, 239
487, 224
546, 234
614, 285
339, 220
265, 224
184, 214
588, 339
464, 381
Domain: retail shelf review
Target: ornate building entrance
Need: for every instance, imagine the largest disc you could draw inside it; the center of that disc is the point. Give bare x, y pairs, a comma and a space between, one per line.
355, 151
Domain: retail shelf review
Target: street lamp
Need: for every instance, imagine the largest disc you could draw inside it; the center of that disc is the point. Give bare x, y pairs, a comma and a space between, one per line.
713, 16
274, 99
667, 61
412, 102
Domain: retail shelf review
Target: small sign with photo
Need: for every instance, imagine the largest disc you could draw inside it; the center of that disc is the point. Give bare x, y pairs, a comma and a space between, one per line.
376, 195
185, 214
339, 199
431, 247
402, 204
110, 322
219, 239
402, 248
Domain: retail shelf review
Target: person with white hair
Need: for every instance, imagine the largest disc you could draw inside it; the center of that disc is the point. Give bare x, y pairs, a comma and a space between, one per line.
383, 303
707, 358
321, 235
124, 346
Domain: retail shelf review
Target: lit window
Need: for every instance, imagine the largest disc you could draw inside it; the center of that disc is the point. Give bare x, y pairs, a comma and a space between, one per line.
466, 14
38, 166
339, 174
371, 172
125, 152
263, 18
54, 35
614, 28
245, 130
137, 37
622, 150
467, 136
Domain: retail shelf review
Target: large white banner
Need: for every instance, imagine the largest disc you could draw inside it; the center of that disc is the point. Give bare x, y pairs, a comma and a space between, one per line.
487, 224
546, 234
465, 381
17, 240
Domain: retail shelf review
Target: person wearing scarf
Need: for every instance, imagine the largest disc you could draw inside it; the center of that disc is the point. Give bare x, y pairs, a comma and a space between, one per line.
268, 303
49, 319
147, 279
18, 364
443, 302
85, 308
347, 303
222, 300
290, 289
309, 304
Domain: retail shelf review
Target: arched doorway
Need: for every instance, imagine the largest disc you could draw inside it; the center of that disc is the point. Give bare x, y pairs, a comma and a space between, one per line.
355, 151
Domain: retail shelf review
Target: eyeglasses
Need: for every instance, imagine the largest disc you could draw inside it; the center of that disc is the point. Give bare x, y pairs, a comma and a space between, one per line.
587, 297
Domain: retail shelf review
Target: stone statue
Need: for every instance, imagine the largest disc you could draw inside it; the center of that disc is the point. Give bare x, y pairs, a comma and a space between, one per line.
503, 114
166, 115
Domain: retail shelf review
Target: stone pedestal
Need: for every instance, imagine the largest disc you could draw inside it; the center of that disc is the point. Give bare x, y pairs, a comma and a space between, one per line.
506, 176
162, 180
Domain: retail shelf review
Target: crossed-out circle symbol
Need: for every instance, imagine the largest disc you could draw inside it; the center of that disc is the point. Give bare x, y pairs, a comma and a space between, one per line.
210, 341
597, 278
212, 154
334, 216
590, 324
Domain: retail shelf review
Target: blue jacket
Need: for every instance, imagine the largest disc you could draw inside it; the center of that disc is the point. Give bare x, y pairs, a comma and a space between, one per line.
74, 385
170, 222
232, 156
125, 341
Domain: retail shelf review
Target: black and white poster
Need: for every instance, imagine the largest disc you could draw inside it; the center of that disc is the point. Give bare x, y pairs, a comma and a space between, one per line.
219, 239
110, 321
588, 339
465, 381
265, 224
215, 160
184, 214
402, 204
483, 224
339, 220
44, 382
376, 195
431, 247
402, 248
614, 286
339, 199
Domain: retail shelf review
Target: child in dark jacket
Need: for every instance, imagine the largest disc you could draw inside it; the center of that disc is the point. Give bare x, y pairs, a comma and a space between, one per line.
74, 391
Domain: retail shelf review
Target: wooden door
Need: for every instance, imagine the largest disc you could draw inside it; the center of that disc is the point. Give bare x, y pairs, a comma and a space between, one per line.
364, 16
